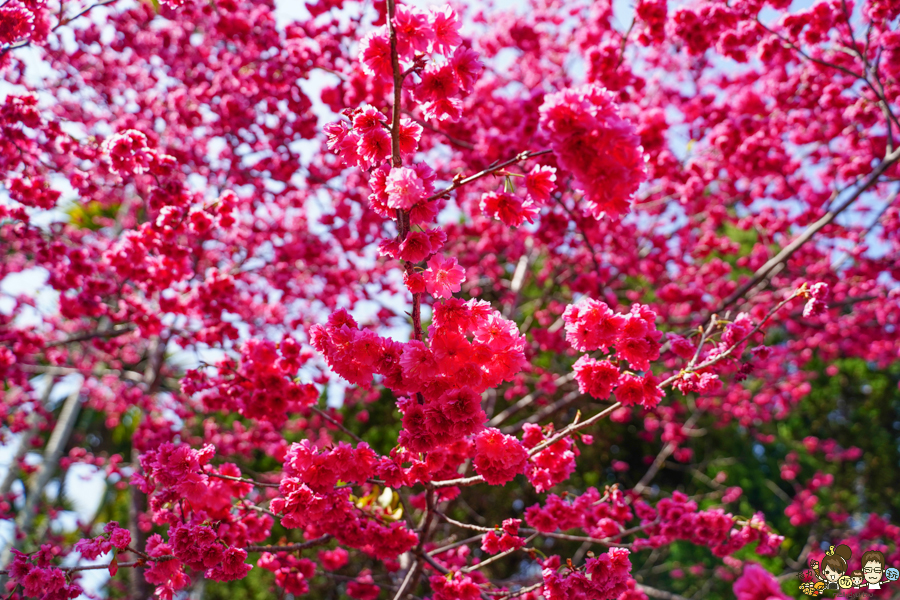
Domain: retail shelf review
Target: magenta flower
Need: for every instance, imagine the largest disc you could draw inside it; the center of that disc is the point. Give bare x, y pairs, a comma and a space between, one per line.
540, 183
16, 22
443, 277
757, 584
597, 145
375, 55
416, 247
498, 457
128, 152
445, 24
404, 188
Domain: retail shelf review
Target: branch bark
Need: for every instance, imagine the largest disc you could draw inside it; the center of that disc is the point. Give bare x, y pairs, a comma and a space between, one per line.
58, 440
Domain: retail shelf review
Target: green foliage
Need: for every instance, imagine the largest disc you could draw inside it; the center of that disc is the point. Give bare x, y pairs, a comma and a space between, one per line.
85, 216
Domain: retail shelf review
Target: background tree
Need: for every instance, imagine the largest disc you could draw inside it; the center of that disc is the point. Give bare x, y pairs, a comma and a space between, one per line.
569, 300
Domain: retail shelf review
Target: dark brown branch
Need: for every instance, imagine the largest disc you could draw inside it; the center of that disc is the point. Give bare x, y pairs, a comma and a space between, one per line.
93, 335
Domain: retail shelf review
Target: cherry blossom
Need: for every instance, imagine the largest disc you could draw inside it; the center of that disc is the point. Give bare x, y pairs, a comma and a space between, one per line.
311, 292
443, 277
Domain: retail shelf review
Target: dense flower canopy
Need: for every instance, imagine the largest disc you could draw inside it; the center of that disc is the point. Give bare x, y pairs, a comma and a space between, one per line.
314, 291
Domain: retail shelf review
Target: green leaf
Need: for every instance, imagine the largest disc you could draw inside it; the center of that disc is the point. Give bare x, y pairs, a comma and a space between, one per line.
86, 216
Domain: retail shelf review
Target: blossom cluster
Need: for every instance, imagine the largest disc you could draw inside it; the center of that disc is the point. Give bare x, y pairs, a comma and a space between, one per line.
454, 586
506, 541
35, 192
363, 587
39, 577
310, 498
21, 21
365, 142
129, 154
178, 474
200, 548
678, 517
291, 573
818, 298
114, 537
167, 176
553, 464
756, 582
592, 325
356, 354
598, 515
601, 149
675, 518
804, 507
513, 210
418, 32
498, 457
472, 348
261, 386
605, 576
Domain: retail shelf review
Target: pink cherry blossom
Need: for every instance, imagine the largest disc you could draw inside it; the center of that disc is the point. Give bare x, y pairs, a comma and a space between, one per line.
498, 458
755, 583
598, 146
404, 188
443, 277
237, 236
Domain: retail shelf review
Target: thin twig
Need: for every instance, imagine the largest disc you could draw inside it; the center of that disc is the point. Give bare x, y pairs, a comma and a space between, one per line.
336, 423
587, 241
464, 525
567, 400
93, 335
729, 351
527, 401
520, 592
655, 593
448, 547
458, 183
497, 557
319, 541
243, 480
430, 127
660, 459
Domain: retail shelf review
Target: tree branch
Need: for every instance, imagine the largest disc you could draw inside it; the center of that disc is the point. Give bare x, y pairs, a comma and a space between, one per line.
810, 231
458, 183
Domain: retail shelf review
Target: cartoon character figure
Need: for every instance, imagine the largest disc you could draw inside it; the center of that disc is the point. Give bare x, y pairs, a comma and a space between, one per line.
812, 589
834, 565
873, 567
857, 577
